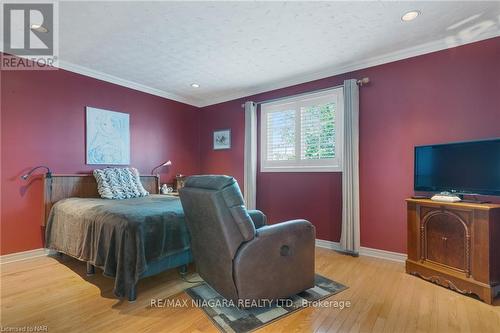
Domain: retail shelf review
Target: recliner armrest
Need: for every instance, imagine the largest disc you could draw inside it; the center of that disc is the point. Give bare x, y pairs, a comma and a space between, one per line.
289, 227
283, 254
258, 218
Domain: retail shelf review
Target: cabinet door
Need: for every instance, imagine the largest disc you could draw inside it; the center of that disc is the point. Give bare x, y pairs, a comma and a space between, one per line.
446, 240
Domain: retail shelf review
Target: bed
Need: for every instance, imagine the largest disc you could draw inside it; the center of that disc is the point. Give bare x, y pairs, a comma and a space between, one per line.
128, 239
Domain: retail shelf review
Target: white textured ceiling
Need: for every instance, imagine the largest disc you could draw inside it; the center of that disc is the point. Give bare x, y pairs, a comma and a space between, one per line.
234, 49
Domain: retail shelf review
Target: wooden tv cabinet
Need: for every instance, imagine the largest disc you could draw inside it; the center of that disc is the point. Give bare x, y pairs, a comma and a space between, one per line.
456, 245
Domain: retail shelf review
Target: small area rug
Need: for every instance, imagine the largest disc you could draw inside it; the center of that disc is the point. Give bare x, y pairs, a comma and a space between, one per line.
228, 317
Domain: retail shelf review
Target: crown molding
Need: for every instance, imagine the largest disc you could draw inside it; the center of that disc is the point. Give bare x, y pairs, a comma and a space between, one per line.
85, 71
434, 46
68, 66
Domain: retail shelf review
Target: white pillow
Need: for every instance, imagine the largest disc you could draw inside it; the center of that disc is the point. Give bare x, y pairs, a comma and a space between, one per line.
119, 183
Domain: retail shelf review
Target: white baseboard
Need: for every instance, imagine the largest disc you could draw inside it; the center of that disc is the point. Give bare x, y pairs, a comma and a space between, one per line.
18, 256
327, 244
383, 254
365, 251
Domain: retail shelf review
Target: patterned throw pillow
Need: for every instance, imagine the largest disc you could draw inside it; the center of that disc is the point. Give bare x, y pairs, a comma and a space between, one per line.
119, 183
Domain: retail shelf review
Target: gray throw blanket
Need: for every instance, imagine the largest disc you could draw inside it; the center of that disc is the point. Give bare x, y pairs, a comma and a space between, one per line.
120, 236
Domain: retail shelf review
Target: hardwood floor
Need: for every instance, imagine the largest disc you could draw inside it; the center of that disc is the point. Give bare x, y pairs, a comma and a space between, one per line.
58, 294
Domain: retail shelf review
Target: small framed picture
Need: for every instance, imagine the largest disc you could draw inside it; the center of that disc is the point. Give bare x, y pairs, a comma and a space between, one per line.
222, 139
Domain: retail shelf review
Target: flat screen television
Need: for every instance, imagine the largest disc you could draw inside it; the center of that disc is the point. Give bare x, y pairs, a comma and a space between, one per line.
463, 167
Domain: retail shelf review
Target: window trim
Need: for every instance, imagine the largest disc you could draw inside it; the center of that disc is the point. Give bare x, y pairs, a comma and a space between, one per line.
299, 165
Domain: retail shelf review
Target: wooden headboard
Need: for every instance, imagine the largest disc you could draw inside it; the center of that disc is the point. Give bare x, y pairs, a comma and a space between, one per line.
61, 186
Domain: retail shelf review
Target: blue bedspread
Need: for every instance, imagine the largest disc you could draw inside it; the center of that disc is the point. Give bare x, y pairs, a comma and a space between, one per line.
120, 236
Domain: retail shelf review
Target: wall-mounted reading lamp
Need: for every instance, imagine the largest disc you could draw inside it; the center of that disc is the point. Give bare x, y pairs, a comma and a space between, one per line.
28, 175
167, 163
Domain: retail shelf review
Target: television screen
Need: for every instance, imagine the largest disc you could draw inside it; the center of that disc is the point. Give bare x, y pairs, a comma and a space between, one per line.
467, 167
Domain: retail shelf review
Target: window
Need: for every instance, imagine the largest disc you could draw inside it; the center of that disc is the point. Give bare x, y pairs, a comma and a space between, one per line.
303, 133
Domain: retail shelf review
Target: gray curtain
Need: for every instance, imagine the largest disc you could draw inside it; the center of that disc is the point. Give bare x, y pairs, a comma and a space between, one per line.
350, 237
250, 168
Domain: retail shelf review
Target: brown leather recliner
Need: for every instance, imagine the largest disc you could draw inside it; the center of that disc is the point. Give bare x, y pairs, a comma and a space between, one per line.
235, 252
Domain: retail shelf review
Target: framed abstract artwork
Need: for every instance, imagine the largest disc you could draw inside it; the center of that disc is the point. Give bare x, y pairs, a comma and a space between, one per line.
222, 139
107, 137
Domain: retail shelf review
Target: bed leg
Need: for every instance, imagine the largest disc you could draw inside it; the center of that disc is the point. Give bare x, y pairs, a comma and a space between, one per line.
90, 269
132, 294
183, 270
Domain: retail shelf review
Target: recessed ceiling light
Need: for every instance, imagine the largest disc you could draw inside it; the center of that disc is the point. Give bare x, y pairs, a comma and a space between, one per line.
195, 85
39, 28
410, 16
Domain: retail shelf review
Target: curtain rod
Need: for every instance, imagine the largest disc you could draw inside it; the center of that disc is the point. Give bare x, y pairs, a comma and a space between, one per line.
360, 82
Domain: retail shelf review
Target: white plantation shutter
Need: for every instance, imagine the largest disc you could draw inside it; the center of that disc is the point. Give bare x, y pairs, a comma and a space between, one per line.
281, 135
303, 133
317, 137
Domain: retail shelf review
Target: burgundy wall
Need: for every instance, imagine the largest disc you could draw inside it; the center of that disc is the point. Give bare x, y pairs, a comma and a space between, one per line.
451, 95
282, 196
445, 96
43, 122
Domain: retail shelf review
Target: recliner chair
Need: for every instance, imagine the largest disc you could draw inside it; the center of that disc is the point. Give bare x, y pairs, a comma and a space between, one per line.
236, 252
